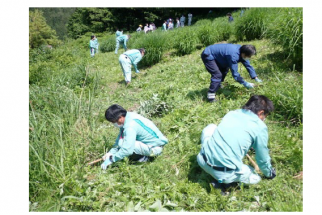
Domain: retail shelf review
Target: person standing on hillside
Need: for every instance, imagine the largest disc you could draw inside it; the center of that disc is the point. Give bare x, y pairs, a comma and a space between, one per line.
170, 26
139, 29
182, 20
178, 23
138, 137
118, 32
189, 19
96, 44
146, 28
224, 146
92, 46
129, 58
219, 58
230, 17
164, 26
122, 40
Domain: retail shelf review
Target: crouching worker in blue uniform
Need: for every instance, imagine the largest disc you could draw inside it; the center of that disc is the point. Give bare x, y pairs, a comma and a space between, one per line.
129, 58
138, 137
224, 146
219, 58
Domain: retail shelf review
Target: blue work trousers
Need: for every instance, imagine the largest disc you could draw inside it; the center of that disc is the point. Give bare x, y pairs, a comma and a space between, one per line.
217, 74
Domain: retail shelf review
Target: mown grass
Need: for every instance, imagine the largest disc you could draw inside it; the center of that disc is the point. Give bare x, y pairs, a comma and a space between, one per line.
67, 129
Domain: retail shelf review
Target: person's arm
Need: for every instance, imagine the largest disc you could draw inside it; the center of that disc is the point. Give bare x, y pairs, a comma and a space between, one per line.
235, 74
262, 153
117, 45
128, 145
114, 148
249, 68
136, 61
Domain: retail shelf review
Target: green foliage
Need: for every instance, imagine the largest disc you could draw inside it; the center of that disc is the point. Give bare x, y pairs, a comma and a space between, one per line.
253, 24
154, 44
108, 45
207, 34
57, 18
155, 107
287, 30
39, 32
186, 41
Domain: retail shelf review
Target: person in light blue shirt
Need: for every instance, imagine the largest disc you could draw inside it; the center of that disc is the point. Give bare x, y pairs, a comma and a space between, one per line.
129, 58
182, 20
118, 33
219, 58
92, 46
224, 146
96, 44
164, 26
189, 19
138, 136
122, 40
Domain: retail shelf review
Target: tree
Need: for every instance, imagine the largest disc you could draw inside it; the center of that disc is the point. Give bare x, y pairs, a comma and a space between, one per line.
39, 32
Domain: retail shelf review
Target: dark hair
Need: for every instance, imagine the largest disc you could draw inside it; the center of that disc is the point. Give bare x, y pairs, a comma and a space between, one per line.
92, 36
259, 102
114, 112
248, 50
142, 50
228, 14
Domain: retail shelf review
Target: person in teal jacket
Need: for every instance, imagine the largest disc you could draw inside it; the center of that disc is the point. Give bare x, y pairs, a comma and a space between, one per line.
92, 46
96, 44
123, 40
129, 58
118, 32
138, 136
224, 146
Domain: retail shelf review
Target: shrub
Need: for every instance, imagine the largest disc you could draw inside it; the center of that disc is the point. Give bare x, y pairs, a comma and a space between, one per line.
154, 45
108, 45
253, 24
287, 31
186, 41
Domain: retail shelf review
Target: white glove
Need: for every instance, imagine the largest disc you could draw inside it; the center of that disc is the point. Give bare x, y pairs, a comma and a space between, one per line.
107, 155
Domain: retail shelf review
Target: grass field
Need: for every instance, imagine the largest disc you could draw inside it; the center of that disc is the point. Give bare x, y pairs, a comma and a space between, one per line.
69, 93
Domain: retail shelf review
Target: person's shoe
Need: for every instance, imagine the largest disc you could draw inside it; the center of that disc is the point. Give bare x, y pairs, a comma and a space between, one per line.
143, 159
211, 97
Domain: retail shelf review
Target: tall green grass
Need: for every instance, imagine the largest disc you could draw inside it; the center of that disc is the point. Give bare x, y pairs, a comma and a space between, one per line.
154, 44
287, 30
253, 24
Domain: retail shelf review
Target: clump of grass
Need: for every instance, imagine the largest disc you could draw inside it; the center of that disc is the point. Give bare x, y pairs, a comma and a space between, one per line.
155, 107
207, 34
108, 45
253, 24
287, 30
186, 41
154, 44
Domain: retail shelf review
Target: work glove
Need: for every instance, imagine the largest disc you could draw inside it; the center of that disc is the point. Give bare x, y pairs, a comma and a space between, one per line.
137, 71
106, 163
249, 85
107, 155
273, 174
258, 80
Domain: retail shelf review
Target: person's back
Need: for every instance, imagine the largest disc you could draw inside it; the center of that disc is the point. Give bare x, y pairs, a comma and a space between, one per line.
122, 38
145, 129
223, 54
225, 149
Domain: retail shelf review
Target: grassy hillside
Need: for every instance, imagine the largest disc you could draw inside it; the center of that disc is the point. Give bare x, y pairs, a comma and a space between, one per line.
69, 93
